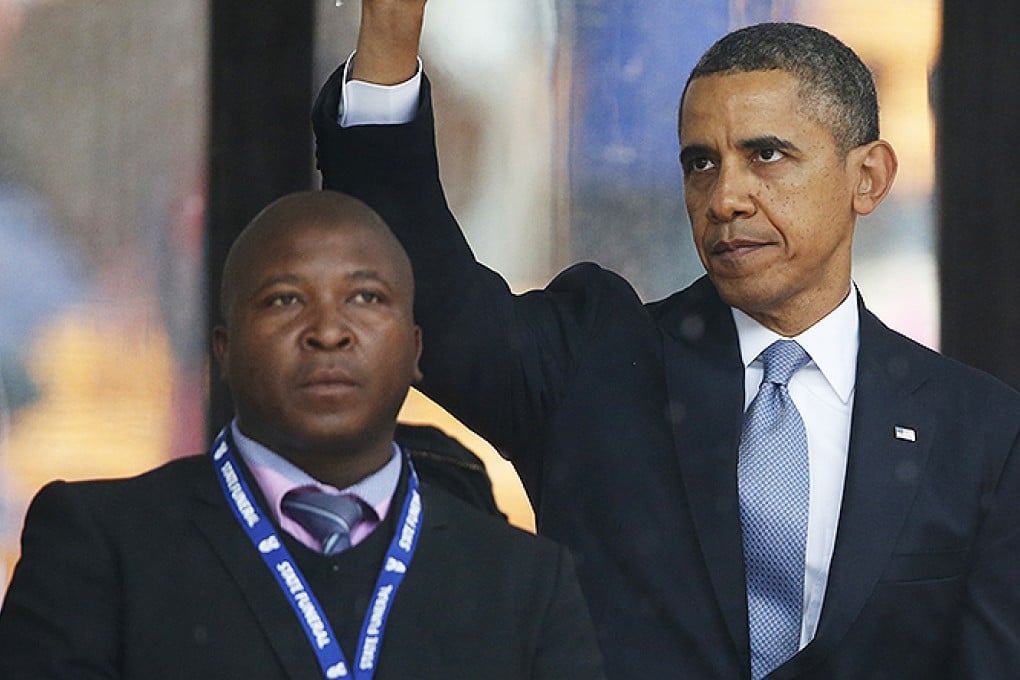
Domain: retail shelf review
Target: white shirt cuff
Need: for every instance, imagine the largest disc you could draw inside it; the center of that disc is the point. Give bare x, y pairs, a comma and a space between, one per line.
363, 103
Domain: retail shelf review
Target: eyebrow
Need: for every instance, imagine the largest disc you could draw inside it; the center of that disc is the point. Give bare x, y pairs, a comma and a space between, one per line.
274, 281
759, 143
767, 142
293, 279
367, 275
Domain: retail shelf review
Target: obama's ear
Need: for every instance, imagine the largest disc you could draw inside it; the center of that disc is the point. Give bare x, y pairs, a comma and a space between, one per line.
876, 166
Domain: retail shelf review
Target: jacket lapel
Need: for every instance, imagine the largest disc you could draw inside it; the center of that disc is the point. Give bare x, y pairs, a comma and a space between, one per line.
883, 472
267, 605
706, 381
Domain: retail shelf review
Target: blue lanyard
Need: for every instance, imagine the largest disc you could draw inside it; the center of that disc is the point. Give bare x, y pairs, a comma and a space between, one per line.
293, 584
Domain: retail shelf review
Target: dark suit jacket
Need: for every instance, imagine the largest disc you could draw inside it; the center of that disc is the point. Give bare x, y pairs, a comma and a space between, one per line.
623, 420
153, 578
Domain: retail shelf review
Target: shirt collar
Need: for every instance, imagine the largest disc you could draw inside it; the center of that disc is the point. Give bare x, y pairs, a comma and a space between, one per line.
832, 343
276, 476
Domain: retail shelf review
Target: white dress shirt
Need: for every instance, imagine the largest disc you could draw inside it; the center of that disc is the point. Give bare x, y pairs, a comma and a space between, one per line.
823, 390
364, 103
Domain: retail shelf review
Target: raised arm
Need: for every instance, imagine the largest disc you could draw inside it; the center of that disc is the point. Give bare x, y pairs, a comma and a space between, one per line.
497, 361
388, 41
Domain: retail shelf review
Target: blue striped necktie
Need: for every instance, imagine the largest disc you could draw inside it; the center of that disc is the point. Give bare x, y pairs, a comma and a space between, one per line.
774, 488
329, 518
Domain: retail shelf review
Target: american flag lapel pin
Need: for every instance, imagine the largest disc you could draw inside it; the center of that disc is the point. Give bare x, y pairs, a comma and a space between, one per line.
907, 434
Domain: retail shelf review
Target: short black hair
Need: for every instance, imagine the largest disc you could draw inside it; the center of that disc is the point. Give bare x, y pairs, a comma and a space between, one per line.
834, 83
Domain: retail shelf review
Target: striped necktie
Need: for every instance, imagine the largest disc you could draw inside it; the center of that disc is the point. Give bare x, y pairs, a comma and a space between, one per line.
329, 518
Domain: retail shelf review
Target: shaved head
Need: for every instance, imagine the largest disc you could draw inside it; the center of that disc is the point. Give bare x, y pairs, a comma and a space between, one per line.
319, 209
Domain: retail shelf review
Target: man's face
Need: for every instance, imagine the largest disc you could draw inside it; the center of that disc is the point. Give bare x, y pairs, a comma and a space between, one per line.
770, 198
320, 345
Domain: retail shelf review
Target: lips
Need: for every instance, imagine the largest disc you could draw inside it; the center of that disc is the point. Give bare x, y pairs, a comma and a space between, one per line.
734, 252
736, 246
328, 379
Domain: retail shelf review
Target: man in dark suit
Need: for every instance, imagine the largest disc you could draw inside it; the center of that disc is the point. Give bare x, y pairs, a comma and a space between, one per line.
303, 546
637, 428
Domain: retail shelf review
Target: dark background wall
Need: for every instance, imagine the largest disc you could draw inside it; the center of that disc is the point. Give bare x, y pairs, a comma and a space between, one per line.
260, 75
977, 91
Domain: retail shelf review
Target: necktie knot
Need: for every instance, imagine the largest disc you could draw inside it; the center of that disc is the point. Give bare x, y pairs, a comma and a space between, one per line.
781, 360
329, 518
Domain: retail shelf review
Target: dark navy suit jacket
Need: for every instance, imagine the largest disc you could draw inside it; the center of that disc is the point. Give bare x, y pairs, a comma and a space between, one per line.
152, 578
623, 420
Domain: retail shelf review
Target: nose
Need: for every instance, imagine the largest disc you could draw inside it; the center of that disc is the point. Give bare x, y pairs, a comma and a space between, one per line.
326, 329
731, 196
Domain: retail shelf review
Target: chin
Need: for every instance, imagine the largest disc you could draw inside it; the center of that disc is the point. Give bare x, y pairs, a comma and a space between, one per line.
733, 291
744, 296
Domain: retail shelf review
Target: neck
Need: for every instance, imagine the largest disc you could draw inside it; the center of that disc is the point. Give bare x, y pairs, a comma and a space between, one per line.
793, 320
339, 464
326, 468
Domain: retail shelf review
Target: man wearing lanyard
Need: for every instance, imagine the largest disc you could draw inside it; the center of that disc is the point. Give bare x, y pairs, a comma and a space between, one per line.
757, 477
303, 545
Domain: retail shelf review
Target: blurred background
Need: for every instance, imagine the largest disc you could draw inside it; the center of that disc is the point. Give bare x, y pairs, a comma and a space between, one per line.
138, 137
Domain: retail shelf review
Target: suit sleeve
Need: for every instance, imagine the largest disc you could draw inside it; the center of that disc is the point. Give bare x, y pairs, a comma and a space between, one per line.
498, 361
60, 617
989, 642
567, 646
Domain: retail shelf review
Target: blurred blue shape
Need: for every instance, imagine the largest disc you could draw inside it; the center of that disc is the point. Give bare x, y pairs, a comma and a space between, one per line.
39, 276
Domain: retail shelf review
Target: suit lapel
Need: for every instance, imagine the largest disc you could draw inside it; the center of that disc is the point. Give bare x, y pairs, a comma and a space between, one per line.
267, 605
705, 382
882, 476
883, 471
